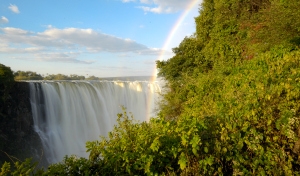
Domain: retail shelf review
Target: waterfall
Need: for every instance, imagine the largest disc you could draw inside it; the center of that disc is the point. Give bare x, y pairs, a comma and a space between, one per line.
68, 114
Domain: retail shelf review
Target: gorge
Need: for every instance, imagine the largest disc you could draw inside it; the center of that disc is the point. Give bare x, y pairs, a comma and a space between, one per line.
63, 115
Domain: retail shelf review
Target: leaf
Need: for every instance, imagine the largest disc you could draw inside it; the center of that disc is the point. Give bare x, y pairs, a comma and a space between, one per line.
182, 161
184, 141
195, 141
205, 149
194, 150
155, 145
210, 160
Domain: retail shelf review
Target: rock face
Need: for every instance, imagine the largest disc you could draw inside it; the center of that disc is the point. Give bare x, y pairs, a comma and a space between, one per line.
17, 135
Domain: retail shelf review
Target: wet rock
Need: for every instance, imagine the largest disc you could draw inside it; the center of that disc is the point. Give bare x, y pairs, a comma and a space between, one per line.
18, 137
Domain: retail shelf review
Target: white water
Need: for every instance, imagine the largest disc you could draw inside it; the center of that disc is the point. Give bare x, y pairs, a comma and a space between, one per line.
68, 114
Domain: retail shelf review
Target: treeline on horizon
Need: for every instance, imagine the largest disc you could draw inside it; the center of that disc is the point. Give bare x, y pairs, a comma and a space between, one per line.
29, 75
231, 104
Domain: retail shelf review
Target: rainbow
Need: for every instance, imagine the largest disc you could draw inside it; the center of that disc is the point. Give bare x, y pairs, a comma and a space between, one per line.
173, 31
171, 35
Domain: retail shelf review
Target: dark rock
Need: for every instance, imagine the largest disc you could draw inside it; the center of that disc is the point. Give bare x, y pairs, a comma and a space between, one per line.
17, 135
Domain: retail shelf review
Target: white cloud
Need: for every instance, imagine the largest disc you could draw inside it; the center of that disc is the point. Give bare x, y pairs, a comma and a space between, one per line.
127, 0
158, 9
71, 37
14, 8
150, 51
58, 44
14, 31
16, 50
67, 57
164, 6
146, 1
3, 19
91, 40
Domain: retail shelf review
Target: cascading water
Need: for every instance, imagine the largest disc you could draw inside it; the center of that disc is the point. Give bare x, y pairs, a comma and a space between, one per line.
68, 114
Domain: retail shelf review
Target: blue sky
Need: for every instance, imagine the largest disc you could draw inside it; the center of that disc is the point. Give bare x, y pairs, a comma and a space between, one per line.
104, 38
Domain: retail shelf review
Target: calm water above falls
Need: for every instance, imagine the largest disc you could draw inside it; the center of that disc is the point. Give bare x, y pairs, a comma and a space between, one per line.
67, 114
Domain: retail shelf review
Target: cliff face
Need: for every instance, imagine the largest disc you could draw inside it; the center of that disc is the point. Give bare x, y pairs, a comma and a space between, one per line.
17, 135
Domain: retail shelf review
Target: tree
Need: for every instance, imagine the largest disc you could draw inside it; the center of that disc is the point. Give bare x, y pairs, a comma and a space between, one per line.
27, 75
6, 81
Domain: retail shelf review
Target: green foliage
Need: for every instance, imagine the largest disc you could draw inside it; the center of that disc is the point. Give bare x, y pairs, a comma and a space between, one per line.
256, 108
6, 74
64, 77
187, 58
71, 166
228, 33
251, 106
187, 62
92, 78
276, 24
20, 168
156, 148
28, 75
5, 169
6, 82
